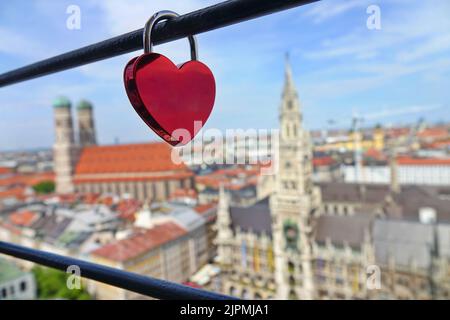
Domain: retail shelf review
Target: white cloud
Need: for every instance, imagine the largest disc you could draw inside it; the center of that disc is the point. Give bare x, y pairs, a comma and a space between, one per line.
373, 76
437, 44
325, 10
126, 15
17, 44
422, 29
122, 16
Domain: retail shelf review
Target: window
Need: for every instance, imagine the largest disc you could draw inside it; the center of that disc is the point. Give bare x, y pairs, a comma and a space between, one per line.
291, 267
293, 295
166, 189
290, 105
4, 293
287, 130
245, 294
145, 191
23, 286
154, 195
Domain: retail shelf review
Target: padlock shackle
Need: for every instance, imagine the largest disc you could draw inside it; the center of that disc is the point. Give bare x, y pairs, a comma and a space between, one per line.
164, 15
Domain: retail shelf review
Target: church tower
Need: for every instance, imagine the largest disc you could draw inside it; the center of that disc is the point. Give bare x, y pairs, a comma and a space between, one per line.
295, 203
65, 150
86, 128
224, 232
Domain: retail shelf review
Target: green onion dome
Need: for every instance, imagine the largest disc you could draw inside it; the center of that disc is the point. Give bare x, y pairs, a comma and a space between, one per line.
84, 104
61, 102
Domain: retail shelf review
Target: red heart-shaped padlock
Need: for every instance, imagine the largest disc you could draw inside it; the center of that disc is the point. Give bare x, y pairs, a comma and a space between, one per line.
175, 102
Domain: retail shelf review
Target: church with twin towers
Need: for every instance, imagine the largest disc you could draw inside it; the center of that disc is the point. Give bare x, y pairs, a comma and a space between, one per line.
144, 171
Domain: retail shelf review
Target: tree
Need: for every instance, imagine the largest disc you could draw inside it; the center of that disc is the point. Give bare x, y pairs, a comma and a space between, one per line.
52, 284
44, 187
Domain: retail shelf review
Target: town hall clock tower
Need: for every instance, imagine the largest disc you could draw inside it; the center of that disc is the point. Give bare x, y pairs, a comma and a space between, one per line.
295, 203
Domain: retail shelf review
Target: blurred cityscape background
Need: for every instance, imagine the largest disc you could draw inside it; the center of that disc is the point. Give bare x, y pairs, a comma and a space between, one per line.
357, 208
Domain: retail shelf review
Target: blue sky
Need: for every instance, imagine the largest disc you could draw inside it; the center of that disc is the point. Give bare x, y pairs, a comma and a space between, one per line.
339, 65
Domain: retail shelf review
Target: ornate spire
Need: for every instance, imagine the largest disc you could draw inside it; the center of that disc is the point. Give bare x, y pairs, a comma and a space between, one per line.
223, 215
289, 85
224, 232
393, 166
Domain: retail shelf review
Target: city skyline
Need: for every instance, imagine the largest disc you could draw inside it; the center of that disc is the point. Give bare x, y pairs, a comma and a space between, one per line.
349, 68
362, 214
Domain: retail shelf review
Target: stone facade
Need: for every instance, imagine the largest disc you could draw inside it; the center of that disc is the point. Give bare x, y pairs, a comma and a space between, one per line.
295, 202
65, 150
276, 262
86, 124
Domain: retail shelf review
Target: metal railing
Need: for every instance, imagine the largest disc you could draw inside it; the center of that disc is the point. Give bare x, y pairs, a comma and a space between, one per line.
207, 19
156, 288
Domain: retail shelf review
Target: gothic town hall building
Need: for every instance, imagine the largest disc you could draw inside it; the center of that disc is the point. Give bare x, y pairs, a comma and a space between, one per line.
334, 240
265, 249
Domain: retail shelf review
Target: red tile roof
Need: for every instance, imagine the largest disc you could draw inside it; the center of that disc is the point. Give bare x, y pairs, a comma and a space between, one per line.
91, 198
184, 193
436, 132
397, 132
107, 200
148, 157
439, 144
140, 243
423, 161
23, 219
15, 192
227, 178
323, 161
27, 179
4, 170
205, 209
375, 154
127, 209
11, 228
202, 208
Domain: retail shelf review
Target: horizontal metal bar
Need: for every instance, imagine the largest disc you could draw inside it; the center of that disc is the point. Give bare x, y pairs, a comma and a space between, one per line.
156, 288
206, 19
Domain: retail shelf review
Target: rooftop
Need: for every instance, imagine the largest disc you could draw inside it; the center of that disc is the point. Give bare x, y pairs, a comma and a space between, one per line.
341, 230
323, 161
128, 158
405, 242
423, 161
5, 170
24, 218
140, 242
84, 105
256, 217
27, 179
9, 271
